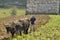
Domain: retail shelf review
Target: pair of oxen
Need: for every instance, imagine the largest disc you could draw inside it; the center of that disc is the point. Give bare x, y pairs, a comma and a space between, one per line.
20, 25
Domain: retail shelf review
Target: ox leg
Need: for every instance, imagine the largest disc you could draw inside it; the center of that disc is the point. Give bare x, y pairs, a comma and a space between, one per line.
12, 34
8, 29
26, 31
20, 33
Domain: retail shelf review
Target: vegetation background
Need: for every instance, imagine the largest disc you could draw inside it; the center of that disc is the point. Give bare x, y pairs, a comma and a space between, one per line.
49, 31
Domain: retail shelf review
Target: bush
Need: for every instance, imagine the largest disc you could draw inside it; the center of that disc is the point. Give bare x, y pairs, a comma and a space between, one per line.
13, 12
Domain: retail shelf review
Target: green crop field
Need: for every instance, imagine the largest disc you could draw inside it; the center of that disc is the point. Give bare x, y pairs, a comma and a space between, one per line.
50, 31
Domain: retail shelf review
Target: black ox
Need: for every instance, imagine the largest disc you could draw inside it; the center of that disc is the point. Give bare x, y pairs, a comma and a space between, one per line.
21, 25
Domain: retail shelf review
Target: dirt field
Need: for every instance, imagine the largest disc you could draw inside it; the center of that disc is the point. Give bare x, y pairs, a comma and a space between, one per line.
41, 20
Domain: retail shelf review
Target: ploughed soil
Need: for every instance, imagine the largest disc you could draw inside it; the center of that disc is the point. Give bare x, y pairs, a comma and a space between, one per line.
40, 20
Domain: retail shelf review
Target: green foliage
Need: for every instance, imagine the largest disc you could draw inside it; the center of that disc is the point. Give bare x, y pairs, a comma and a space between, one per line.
13, 12
7, 12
